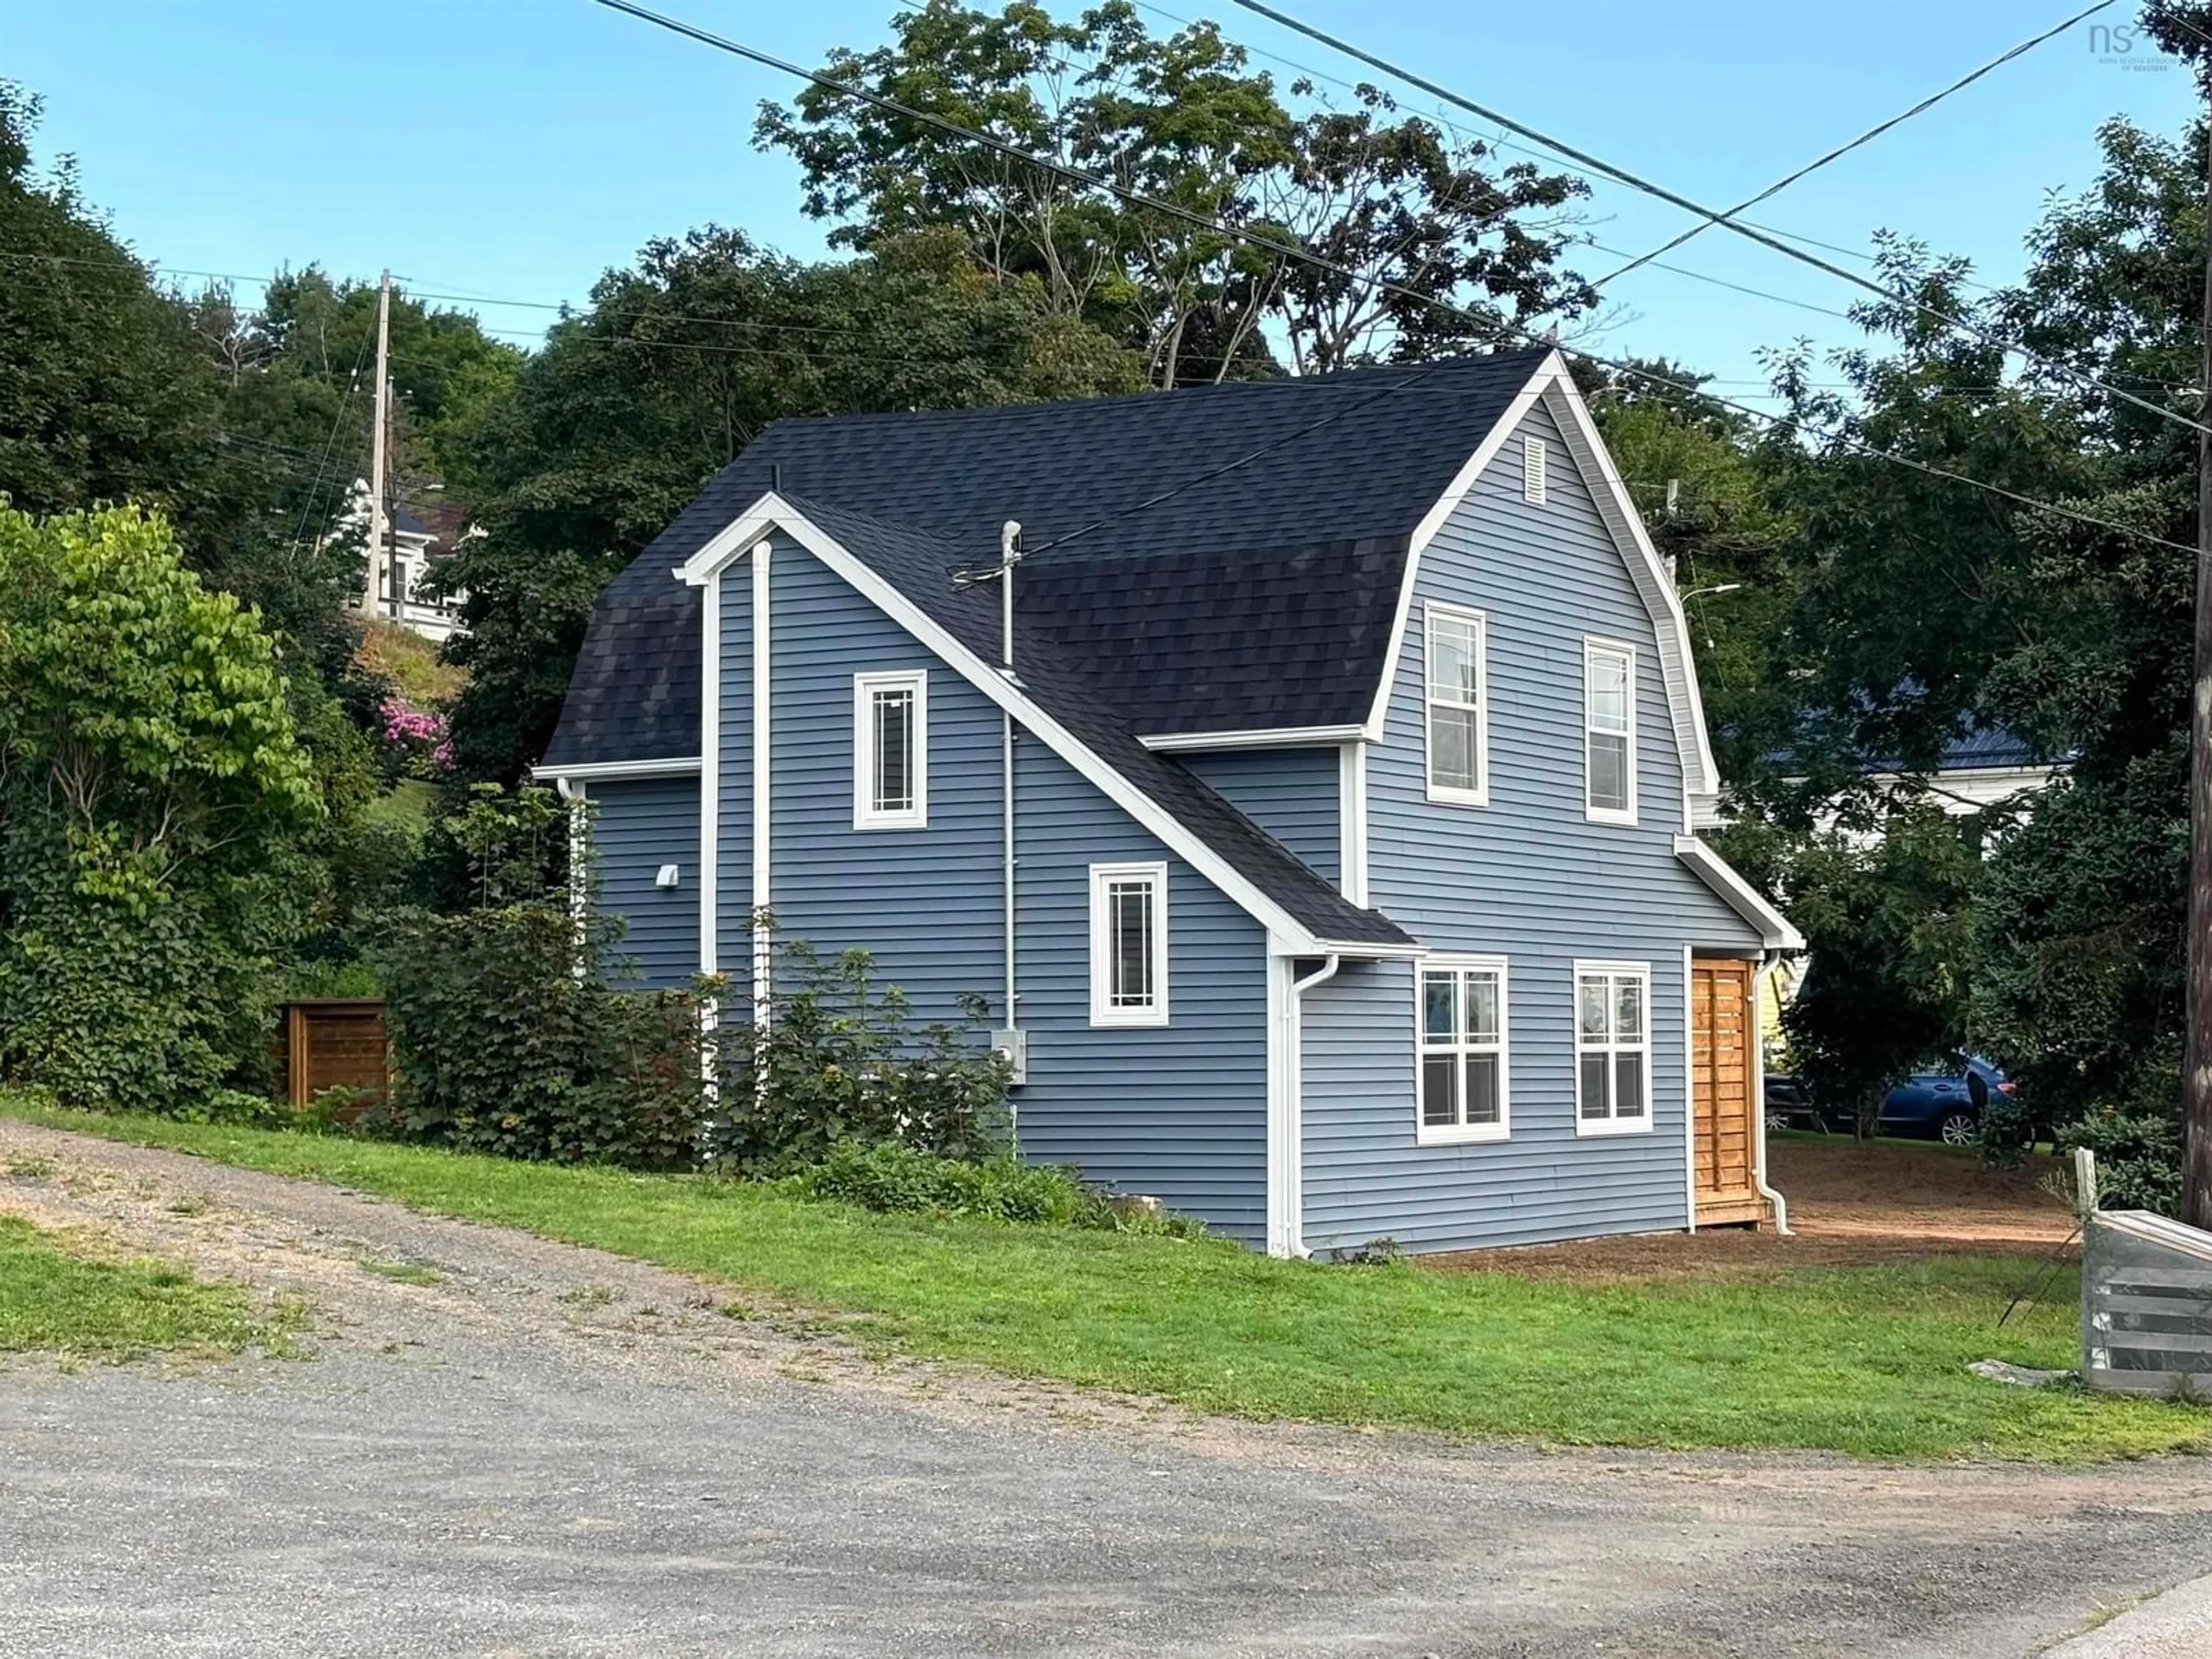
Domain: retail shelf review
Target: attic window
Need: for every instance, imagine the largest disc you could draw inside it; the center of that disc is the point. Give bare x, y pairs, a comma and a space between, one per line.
1536, 454
890, 751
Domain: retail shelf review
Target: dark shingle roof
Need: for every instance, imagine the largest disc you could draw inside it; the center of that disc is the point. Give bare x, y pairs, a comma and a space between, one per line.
1217, 558
915, 562
1255, 595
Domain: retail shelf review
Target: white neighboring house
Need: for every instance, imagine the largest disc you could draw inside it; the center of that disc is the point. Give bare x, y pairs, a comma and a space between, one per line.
1981, 769
408, 558
1976, 771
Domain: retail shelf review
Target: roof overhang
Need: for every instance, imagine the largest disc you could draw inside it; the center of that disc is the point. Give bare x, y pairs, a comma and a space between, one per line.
772, 513
1775, 930
585, 771
1273, 737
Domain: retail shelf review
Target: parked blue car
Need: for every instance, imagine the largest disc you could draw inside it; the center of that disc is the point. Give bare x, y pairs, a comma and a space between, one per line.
1941, 1102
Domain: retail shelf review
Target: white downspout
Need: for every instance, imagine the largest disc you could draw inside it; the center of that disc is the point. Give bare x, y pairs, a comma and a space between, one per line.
1010, 554
1768, 961
1294, 1136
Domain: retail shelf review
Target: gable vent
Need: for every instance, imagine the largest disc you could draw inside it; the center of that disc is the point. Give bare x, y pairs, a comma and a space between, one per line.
1534, 452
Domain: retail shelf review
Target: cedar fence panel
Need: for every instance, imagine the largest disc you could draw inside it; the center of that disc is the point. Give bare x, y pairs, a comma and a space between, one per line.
334, 1043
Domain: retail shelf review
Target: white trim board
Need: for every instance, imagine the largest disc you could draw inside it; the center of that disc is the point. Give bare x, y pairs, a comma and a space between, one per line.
1278, 737
586, 771
772, 512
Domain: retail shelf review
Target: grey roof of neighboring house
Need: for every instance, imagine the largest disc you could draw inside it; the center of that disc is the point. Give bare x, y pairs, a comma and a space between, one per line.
1217, 558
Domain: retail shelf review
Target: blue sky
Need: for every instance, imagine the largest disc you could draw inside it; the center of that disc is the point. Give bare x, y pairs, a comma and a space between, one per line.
516, 147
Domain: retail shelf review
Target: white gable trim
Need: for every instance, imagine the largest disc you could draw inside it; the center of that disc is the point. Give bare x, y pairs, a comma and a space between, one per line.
1432, 521
771, 512
1776, 931
1555, 387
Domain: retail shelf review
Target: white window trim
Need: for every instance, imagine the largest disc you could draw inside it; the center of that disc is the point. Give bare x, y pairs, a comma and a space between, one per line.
1463, 1134
1591, 646
1536, 470
865, 688
1611, 1125
1103, 1012
1430, 613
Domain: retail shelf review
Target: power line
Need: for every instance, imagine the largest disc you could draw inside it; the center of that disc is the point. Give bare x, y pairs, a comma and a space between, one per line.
1864, 138
1674, 198
1173, 210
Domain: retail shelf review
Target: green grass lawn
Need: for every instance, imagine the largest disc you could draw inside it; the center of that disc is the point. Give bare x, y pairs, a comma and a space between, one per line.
55, 1298
1867, 1361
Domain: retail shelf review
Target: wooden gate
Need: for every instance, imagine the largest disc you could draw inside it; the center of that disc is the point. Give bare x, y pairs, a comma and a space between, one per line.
1722, 1028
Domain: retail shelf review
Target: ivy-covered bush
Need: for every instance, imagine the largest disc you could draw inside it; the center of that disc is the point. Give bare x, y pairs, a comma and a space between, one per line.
154, 795
502, 1042
840, 1062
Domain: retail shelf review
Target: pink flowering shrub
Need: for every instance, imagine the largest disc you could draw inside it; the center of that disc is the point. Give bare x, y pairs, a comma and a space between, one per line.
415, 742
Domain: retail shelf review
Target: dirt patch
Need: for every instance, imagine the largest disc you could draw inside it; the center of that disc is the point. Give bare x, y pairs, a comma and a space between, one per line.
1850, 1206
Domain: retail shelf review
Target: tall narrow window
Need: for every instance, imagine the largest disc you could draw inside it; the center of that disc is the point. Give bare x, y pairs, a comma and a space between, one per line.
890, 751
1535, 459
1613, 1047
1463, 1064
1458, 712
1609, 732
1129, 945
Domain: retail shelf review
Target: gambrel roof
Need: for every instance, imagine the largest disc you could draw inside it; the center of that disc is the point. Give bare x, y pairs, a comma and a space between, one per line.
1220, 559
1212, 559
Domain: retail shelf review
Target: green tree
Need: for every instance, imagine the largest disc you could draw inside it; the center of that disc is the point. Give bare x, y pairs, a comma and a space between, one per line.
675, 367
1925, 609
153, 791
1182, 120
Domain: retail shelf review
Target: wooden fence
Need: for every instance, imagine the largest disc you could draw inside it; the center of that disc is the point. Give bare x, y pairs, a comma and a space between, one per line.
334, 1043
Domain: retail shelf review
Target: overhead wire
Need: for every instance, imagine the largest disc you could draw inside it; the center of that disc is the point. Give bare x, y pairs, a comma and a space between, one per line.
1173, 211
1864, 138
1675, 199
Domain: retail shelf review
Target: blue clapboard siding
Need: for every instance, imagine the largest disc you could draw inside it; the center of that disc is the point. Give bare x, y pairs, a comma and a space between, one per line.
1179, 1112
733, 827
929, 903
638, 824
1527, 877
1288, 793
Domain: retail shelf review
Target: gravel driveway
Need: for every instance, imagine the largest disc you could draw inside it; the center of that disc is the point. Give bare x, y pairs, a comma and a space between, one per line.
551, 1452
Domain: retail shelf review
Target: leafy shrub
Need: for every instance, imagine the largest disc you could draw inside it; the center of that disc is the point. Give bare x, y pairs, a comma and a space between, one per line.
903, 1180
505, 1040
2138, 1159
837, 1062
900, 1179
154, 796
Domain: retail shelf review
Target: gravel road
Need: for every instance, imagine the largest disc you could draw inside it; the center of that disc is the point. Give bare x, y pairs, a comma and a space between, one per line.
551, 1452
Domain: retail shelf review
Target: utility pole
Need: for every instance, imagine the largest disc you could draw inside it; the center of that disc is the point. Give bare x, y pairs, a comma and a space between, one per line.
2197, 1062
379, 540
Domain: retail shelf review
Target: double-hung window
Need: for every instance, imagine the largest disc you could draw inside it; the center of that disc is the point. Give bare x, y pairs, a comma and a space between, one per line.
890, 751
1462, 1050
1613, 1047
1458, 706
1129, 945
1609, 732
